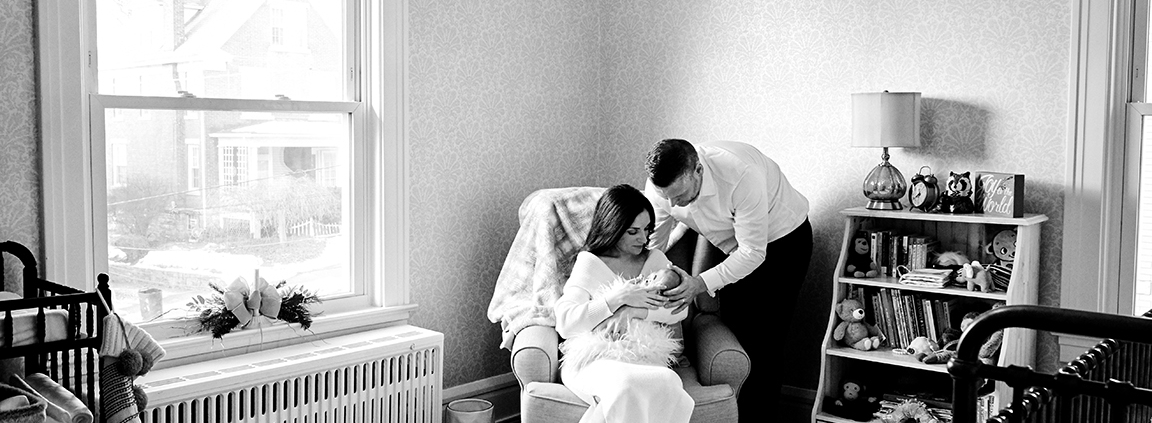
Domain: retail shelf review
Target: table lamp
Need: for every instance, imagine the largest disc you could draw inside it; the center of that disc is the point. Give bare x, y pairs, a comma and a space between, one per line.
885, 120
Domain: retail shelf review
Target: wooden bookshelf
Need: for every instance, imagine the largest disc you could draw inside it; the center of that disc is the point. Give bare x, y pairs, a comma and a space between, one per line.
966, 234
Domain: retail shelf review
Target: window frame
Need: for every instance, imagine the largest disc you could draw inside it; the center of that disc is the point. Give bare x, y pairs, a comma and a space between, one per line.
67, 74
1107, 83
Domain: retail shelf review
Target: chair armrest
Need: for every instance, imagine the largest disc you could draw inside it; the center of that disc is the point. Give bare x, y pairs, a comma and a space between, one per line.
534, 355
720, 359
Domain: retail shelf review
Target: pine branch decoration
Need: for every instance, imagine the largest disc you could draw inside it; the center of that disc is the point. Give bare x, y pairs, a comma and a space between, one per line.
215, 318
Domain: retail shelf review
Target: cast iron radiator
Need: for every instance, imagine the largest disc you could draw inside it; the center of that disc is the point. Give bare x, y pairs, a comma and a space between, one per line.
1108, 383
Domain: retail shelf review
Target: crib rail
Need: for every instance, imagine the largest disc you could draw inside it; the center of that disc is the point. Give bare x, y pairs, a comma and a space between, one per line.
1033, 390
71, 361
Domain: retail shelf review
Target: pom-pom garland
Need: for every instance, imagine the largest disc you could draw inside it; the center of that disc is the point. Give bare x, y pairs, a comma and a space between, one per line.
215, 317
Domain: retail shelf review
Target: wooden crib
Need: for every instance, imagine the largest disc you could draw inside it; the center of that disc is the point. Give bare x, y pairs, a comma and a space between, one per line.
56, 328
1087, 389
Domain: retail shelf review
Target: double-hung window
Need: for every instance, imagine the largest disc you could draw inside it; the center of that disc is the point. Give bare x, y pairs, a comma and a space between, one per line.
263, 140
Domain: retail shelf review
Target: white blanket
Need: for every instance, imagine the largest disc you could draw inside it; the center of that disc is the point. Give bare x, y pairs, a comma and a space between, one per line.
553, 226
24, 323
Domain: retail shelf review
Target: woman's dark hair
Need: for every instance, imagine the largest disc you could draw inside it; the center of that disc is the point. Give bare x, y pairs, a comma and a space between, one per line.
668, 159
615, 212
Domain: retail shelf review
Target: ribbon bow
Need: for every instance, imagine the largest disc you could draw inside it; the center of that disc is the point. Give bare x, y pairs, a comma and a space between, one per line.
262, 300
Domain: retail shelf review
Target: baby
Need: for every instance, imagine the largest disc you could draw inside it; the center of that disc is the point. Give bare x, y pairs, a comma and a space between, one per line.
665, 279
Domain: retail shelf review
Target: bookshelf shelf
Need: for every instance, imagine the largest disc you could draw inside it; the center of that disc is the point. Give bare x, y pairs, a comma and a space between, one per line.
886, 356
920, 310
1028, 219
828, 418
892, 282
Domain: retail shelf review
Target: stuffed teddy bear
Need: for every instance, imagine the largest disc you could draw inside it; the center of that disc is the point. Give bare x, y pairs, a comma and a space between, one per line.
975, 276
859, 263
853, 331
854, 403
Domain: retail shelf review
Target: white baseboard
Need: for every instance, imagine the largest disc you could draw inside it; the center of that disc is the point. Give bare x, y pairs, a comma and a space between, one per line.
482, 386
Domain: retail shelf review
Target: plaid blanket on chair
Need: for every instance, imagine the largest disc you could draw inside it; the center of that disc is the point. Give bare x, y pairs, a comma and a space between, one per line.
553, 226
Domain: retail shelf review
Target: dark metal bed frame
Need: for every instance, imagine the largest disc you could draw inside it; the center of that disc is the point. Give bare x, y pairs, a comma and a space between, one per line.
1031, 390
71, 362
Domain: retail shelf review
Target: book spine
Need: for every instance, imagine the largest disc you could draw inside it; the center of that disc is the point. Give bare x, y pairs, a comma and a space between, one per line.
905, 317
930, 320
921, 326
890, 316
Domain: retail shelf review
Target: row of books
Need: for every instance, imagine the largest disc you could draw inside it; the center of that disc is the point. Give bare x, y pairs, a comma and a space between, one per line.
890, 249
905, 315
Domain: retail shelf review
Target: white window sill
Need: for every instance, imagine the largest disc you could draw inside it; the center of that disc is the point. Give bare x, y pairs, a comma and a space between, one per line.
201, 347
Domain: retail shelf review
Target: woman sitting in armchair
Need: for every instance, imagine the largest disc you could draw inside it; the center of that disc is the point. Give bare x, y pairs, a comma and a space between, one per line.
608, 295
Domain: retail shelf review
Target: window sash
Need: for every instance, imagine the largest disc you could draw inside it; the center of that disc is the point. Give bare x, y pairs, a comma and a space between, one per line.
377, 54
360, 223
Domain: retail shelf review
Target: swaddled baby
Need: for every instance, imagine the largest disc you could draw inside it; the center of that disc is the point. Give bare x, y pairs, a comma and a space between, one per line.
644, 341
665, 279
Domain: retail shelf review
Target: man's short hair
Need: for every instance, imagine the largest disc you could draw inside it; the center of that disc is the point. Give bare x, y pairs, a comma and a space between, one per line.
668, 159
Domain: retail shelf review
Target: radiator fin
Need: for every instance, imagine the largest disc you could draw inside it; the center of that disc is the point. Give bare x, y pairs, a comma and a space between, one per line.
403, 386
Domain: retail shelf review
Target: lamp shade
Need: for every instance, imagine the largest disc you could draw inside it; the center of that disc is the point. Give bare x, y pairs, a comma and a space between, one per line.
886, 119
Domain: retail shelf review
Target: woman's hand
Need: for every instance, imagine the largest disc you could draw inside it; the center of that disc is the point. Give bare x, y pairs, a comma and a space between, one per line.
630, 294
617, 323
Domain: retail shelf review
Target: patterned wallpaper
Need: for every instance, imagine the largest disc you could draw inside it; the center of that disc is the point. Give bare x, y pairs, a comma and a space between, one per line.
993, 76
512, 96
19, 147
504, 101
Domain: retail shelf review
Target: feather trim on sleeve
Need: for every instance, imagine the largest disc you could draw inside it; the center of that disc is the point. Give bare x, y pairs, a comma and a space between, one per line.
644, 342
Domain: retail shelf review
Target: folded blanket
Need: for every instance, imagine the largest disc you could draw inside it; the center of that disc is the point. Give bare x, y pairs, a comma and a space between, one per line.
553, 226
64, 406
20, 406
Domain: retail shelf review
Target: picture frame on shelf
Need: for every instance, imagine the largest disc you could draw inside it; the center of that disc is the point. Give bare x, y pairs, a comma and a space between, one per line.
1000, 194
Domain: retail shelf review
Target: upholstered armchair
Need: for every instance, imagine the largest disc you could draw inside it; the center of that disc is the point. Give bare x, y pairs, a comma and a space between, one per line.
718, 367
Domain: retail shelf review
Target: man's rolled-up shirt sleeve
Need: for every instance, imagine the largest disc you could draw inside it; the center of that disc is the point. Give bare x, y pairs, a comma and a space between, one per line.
752, 208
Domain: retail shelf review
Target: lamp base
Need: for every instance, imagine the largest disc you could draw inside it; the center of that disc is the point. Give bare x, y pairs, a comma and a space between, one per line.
884, 205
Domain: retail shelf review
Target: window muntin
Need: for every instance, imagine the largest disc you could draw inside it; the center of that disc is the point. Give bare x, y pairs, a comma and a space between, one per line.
268, 211
206, 78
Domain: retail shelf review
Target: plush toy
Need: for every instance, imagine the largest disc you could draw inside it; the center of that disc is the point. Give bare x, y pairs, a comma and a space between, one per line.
951, 260
975, 276
859, 263
126, 352
920, 346
853, 330
1003, 248
945, 353
990, 351
854, 403
957, 196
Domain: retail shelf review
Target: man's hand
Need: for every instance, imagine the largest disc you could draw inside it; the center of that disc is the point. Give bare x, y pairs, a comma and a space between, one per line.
680, 296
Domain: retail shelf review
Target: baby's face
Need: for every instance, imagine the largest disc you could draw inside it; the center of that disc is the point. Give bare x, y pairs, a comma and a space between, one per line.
663, 279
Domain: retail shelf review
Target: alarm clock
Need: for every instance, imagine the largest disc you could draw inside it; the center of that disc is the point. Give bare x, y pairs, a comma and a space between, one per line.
923, 192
